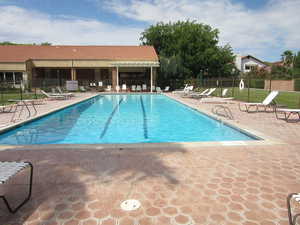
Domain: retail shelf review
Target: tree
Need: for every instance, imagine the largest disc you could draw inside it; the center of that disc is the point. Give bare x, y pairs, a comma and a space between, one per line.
297, 60
195, 45
288, 58
46, 43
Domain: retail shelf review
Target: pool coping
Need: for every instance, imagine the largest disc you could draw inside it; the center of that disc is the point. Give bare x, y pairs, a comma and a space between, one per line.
49, 112
265, 140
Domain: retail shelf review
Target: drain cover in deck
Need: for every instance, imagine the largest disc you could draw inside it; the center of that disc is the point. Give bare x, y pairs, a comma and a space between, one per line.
130, 204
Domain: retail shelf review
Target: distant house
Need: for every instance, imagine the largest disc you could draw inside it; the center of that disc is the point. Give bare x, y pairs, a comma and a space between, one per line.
246, 63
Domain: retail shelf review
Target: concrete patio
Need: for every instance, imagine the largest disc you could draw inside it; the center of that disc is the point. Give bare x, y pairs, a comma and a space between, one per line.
246, 184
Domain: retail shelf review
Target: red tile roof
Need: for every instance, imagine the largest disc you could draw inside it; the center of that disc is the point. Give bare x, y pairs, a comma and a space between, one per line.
21, 53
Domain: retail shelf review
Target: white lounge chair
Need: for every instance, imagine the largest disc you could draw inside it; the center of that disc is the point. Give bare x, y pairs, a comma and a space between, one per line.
133, 88
265, 104
138, 88
9, 170
118, 88
167, 88
287, 114
153, 88
178, 91
206, 93
82, 89
69, 94
124, 88
108, 88
158, 90
54, 96
144, 87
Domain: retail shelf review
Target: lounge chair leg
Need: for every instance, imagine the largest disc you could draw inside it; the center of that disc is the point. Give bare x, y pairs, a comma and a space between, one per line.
292, 219
10, 209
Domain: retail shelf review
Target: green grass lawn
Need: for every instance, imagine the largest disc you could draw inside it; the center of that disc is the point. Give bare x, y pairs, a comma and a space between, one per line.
289, 99
4, 97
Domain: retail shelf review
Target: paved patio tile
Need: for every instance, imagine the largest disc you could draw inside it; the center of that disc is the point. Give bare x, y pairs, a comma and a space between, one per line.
227, 185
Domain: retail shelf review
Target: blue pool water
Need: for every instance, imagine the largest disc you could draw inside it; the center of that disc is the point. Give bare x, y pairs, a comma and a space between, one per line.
123, 119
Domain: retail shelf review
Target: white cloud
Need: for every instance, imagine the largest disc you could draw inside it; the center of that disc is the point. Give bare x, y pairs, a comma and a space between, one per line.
27, 26
276, 25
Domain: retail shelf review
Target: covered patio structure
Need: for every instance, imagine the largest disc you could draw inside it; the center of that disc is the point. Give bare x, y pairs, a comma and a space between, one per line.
99, 65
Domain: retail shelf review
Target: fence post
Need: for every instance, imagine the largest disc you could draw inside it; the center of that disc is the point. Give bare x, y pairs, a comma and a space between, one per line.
21, 91
249, 82
233, 86
270, 86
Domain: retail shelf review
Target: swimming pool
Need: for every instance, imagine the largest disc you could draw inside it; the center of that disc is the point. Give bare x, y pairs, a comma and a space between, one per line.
132, 118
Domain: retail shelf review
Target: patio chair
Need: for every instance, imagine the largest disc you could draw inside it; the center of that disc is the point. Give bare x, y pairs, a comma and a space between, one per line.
124, 88
9, 170
118, 88
69, 94
266, 103
144, 87
293, 197
180, 90
54, 96
108, 88
82, 89
153, 88
7, 108
138, 88
167, 88
158, 90
287, 114
133, 87
204, 94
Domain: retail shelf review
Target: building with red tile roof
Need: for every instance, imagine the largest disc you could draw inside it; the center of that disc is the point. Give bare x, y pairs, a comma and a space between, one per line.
110, 65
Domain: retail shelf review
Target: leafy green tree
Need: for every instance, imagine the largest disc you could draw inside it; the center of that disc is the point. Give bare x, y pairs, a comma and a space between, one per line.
297, 60
195, 45
288, 58
46, 43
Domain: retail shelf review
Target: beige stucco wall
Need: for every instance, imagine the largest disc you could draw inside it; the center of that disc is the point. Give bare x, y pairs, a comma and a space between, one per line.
13, 67
280, 85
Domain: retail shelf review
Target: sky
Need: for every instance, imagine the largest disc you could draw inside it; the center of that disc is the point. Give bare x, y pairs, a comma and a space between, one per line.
262, 28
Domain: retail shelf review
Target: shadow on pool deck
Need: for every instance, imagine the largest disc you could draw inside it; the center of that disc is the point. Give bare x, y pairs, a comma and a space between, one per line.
64, 180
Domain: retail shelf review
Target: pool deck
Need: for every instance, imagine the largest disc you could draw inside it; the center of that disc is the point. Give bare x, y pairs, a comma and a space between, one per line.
176, 184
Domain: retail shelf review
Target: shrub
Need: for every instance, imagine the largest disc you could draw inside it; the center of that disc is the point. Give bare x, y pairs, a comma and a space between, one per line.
297, 84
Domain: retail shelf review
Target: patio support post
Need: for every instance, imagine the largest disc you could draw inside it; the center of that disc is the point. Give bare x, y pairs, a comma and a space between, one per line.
73, 74
14, 78
151, 79
114, 74
4, 76
117, 79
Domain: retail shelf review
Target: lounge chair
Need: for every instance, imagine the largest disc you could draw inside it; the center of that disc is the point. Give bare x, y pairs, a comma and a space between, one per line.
54, 96
7, 108
124, 88
82, 89
265, 104
144, 87
153, 88
296, 198
206, 93
158, 90
133, 88
100, 84
118, 88
287, 114
167, 88
108, 88
138, 88
69, 94
178, 91
9, 170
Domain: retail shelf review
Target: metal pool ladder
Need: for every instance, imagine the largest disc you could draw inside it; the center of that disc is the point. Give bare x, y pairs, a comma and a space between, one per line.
223, 111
